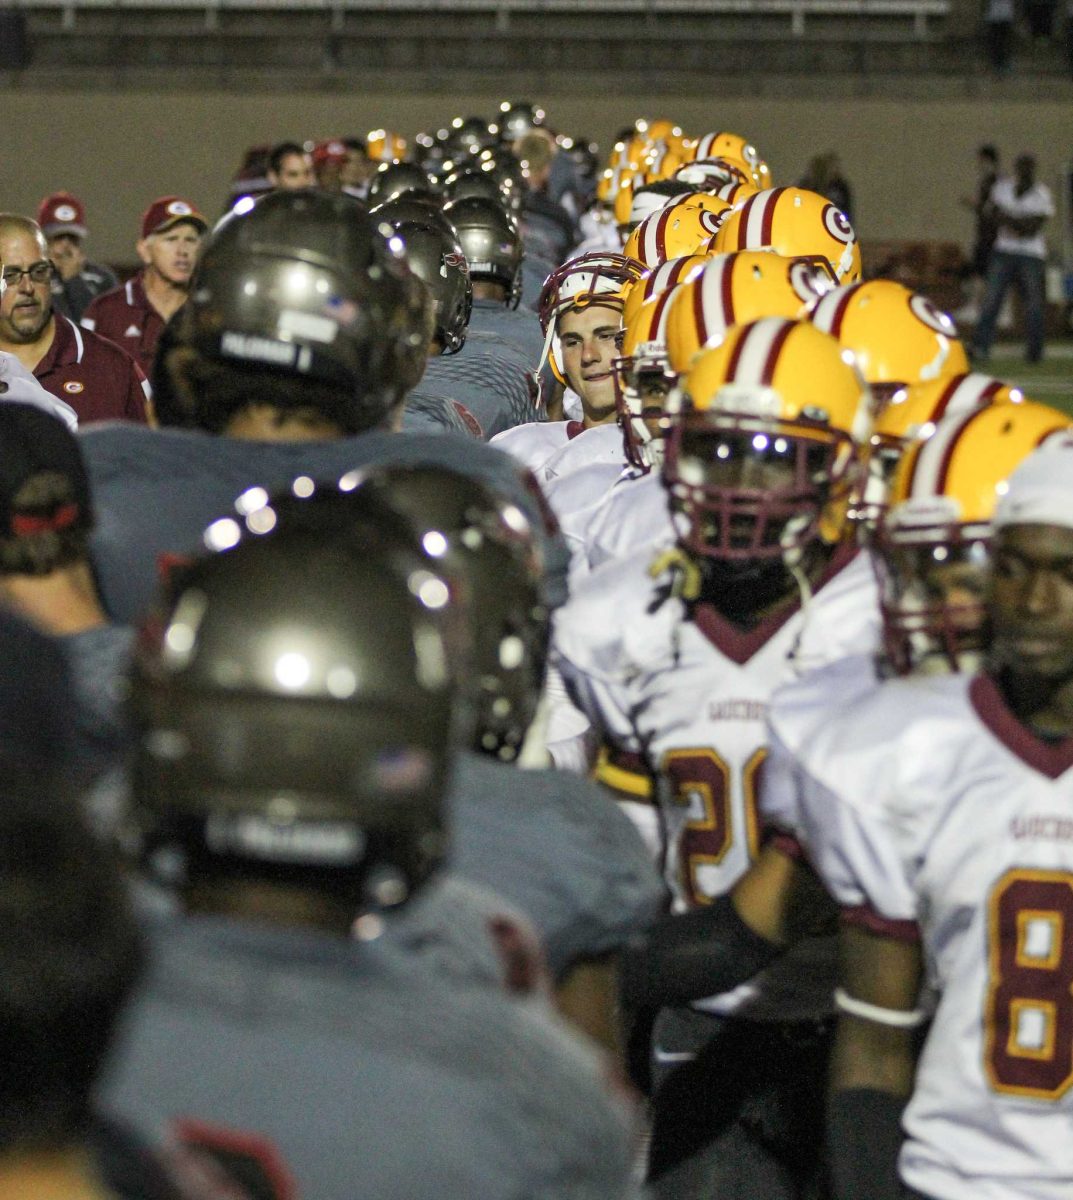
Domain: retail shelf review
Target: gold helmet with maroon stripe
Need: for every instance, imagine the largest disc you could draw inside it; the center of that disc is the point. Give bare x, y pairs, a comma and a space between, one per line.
735, 194
733, 289
898, 335
712, 173
796, 223
673, 231
384, 146
931, 545
765, 452
659, 279
911, 415
643, 381
597, 278
735, 147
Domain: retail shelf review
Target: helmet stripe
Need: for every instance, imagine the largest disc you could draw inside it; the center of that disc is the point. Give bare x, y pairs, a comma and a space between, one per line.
839, 308
932, 464
769, 215
1049, 433
745, 223
948, 393
726, 289
715, 297
757, 351
658, 327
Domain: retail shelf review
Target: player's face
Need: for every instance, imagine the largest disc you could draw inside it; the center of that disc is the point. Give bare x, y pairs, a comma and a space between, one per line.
295, 171
26, 306
357, 169
590, 338
1031, 600
67, 254
173, 253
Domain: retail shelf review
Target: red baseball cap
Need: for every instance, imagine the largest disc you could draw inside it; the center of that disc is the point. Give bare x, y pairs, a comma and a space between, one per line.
332, 150
162, 214
62, 213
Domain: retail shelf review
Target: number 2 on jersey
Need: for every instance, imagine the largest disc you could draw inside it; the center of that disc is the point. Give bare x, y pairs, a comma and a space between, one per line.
703, 782
1028, 1022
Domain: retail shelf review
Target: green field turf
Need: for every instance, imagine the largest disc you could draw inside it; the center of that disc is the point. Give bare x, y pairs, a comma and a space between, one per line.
1050, 381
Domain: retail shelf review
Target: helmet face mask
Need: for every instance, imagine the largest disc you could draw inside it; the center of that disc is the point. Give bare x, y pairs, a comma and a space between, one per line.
643, 383
753, 489
931, 583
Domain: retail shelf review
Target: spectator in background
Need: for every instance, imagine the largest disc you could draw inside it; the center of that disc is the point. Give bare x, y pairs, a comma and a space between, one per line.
289, 167
1020, 208
329, 160
358, 168
824, 175
133, 315
96, 378
62, 218
988, 173
998, 34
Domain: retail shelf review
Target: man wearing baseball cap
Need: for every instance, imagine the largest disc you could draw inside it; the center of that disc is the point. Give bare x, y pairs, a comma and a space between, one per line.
133, 315
62, 218
97, 379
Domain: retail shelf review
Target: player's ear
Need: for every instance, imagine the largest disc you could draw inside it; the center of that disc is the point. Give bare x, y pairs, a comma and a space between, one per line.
142, 246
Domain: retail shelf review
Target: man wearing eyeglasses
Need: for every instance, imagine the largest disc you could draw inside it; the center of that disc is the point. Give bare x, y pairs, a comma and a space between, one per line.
98, 380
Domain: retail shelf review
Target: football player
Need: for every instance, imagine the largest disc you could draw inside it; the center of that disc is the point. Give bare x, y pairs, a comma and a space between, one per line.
297, 711
946, 841
581, 314
673, 657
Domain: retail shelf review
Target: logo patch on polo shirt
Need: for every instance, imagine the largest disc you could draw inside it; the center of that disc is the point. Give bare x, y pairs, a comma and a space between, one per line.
73, 387
132, 331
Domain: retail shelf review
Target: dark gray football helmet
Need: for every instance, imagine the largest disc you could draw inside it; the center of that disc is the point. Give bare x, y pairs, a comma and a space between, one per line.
491, 243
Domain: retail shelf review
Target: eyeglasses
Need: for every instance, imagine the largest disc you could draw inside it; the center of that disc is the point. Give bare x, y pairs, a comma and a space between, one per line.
40, 272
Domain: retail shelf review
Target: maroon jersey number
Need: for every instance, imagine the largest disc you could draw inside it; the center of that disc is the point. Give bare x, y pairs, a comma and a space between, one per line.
1028, 1022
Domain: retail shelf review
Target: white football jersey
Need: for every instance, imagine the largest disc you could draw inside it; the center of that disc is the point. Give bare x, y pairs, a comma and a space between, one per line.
533, 443
599, 444
577, 498
628, 522
690, 698
931, 811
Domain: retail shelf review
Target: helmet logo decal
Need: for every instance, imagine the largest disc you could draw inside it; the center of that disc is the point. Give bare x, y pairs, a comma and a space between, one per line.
64, 212
837, 225
924, 310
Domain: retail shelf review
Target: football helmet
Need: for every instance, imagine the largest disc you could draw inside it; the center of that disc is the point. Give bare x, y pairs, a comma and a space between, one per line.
735, 194
384, 146
490, 241
898, 336
519, 117
797, 224
394, 179
659, 279
930, 548
597, 278
713, 173
910, 415
651, 197
734, 147
643, 381
303, 283
295, 704
673, 232
623, 201
488, 545
433, 252
763, 446
733, 289
470, 183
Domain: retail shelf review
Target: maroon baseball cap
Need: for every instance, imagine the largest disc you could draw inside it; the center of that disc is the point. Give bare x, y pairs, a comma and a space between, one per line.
62, 213
31, 442
330, 151
162, 214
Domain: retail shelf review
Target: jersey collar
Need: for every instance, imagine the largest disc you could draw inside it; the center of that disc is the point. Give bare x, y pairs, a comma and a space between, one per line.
67, 346
738, 644
1049, 759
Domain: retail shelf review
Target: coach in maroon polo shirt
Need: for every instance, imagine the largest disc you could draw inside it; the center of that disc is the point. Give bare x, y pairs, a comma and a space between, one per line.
133, 314
97, 379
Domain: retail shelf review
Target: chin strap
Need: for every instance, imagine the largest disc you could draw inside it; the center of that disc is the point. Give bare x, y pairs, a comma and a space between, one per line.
687, 580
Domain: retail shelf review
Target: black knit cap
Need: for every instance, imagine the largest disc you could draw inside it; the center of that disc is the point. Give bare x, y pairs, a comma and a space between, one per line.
31, 442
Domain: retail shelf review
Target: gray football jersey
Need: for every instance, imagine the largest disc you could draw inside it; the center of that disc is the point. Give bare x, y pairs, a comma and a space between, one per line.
518, 326
490, 380
558, 849
426, 413
156, 490
368, 1075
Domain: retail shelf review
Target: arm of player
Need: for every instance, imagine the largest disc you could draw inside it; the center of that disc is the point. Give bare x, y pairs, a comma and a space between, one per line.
713, 949
873, 1062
